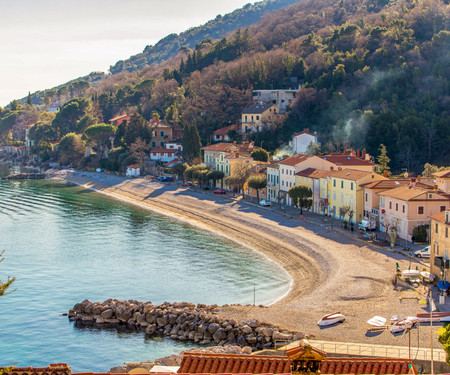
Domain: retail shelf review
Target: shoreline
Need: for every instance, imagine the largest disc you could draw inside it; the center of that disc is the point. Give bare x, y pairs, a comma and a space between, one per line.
328, 272
196, 225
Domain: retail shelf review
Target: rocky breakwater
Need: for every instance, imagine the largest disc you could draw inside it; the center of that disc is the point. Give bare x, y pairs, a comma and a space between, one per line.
183, 321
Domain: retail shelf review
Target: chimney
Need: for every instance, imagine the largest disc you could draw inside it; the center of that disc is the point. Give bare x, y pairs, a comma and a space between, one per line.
237, 155
331, 168
363, 155
358, 153
306, 130
339, 168
412, 182
385, 174
234, 142
419, 177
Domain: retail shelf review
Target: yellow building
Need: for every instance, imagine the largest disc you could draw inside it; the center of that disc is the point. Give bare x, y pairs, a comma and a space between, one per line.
440, 245
259, 116
345, 191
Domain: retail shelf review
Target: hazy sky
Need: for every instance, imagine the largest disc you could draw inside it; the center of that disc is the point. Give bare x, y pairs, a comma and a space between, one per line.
44, 43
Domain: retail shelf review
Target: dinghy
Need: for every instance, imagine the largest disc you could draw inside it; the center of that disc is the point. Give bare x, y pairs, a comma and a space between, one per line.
330, 319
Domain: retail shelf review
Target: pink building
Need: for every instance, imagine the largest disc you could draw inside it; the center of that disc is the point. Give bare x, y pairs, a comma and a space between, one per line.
407, 207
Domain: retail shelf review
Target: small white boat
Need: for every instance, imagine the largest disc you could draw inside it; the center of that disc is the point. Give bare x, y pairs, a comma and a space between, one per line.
407, 274
377, 323
404, 324
437, 317
328, 320
427, 276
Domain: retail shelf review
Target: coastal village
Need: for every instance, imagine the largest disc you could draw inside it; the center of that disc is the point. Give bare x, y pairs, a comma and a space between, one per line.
279, 174
346, 190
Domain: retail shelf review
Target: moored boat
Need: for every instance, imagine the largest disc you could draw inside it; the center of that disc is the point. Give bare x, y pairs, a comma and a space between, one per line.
436, 317
404, 324
330, 319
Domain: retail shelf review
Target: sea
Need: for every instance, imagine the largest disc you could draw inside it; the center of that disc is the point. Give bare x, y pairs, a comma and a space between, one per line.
64, 244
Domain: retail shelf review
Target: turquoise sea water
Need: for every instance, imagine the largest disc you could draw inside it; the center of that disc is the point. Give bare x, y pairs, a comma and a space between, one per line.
65, 244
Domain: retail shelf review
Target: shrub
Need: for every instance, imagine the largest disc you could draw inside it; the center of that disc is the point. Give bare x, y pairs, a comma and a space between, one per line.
421, 233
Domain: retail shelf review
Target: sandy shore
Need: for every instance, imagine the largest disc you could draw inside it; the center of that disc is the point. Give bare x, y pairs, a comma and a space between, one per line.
329, 272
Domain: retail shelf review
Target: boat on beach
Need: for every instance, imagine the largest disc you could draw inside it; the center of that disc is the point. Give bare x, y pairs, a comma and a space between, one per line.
435, 317
404, 324
330, 319
377, 323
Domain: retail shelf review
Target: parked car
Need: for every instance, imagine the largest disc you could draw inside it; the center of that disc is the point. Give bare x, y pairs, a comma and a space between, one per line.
186, 184
219, 191
367, 225
265, 203
154, 178
165, 178
424, 253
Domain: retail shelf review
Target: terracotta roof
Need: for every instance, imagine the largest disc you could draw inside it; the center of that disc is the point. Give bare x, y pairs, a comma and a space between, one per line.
394, 183
201, 363
118, 117
57, 368
375, 366
439, 217
442, 174
257, 108
294, 160
350, 174
346, 160
134, 166
406, 193
314, 173
164, 150
304, 131
226, 129
223, 146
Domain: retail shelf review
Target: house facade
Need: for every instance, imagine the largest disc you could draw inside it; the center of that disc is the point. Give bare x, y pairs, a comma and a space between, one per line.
406, 207
440, 245
443, 180
221, 135
300, 141
133, 170
273, 182
258, 116
282, 98
118, 120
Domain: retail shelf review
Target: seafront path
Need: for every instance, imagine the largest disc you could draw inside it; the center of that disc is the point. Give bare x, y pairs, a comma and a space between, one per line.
330, 271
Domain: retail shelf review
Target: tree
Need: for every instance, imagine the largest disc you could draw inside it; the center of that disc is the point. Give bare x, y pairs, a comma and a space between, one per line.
29, 102
179, 169
67, 118
383, 161
239, 175
257, 183
136, 128
196, 172
260, 155
216, 175
71, 149
139, 149
301, 196
313, 149
4, 286
100, 135
191, 143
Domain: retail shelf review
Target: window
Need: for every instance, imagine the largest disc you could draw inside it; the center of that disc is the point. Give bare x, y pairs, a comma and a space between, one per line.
162, 144
351, 186
446, 232
282, 171
252, 118
257, 117
420, 210
162, 133
396, 207
282, 183
403, 209
334, 183
342, 198
390, 205
245, 118
442, 208
342, 184
156, 133
436, 228
381, 201
334, 196
366, 196
153, 144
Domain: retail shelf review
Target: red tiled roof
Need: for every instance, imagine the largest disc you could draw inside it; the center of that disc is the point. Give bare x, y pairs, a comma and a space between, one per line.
439, 217
201, 363
346, 160
296, 159
134, 166
442, 174
406, 193
226, 129
218, 146
314, 173
350, 174
206, 363
304, 131
245, 147
54, 368
164, 150
118, 118
375, 366
394, 183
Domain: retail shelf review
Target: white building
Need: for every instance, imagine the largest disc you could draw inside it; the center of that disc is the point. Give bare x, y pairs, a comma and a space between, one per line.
282, 98
300, 141
163, 154
133, 170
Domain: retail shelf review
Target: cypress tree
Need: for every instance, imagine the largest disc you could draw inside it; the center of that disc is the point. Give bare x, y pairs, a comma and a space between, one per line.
191, 143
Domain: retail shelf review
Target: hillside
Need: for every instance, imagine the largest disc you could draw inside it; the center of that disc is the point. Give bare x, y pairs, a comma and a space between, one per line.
215, 29
373, 72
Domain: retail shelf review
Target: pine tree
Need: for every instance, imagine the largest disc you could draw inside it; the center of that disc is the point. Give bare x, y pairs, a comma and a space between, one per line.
29, 102
383, 161
191, 143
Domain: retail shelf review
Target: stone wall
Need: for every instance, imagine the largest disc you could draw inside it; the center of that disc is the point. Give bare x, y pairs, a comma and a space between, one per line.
182, 321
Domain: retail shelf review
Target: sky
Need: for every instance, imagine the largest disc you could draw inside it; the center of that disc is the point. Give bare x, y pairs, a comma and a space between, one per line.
44, 43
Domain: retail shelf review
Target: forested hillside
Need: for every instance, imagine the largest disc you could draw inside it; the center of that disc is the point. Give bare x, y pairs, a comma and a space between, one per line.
372, 72
217, 28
